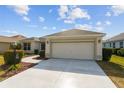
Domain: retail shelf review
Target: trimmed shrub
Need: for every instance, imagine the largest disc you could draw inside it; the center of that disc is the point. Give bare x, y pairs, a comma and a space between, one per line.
114, 50
107, 53
9, 56
42, 53
120, 52
18, 47
36, 51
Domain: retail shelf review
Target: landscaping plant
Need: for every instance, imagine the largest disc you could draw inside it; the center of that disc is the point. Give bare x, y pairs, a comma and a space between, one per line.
36, 51
18, 46
107, 53
42, 53
120, 52
9, 58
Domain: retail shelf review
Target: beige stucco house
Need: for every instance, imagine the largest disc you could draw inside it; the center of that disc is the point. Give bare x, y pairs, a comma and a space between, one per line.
30, 44
115, 42
6, 41
74, 44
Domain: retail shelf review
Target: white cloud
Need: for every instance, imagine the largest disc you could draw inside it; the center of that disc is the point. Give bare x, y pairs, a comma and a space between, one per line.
117, 9
42, 19
45, 27
107, 22
89, 27
62, 11
78, 13
68, 21
54, 28
99, 28
98, 23
71, 13
63, 29
21, 9
73, 6
25, 18
83, 26
50, 11
108, 14
10, 32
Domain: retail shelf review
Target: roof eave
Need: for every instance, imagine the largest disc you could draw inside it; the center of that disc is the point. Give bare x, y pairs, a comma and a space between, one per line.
94, 35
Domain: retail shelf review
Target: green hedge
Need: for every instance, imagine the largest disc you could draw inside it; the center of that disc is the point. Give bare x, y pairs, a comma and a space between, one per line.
42, 53
120, 52
36, 51
9, 56
107, 53
114, 50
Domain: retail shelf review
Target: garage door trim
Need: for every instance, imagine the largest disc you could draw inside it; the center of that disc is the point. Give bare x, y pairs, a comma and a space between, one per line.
90, 42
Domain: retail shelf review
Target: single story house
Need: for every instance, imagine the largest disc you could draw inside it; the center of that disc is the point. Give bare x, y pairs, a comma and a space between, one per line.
33, 43
6, 41
74, 44
115, 42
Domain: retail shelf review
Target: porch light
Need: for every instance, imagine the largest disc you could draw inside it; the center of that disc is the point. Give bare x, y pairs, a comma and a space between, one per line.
47, 42
99, 41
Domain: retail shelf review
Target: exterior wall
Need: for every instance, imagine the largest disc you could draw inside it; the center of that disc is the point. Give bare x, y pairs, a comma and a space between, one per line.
4, 47
48, 48
97, 50
117, 44
123, 43
34, 45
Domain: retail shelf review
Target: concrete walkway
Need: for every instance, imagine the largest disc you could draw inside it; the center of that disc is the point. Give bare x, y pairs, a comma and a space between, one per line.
31, 60
60, 73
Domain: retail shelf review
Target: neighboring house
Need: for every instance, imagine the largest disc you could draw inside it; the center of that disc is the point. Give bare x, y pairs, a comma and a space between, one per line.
6, 41
115, 42
30, 44
74, 44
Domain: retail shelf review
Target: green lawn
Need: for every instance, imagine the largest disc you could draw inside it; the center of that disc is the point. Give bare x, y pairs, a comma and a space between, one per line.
114, 69
1, 60
117, 60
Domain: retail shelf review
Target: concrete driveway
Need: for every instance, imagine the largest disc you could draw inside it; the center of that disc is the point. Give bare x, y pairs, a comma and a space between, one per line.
61, 73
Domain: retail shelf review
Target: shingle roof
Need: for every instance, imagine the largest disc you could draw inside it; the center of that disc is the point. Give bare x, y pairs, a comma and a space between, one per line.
18, 37
74, 32
117, 37
11, 39
6, 39
31, 39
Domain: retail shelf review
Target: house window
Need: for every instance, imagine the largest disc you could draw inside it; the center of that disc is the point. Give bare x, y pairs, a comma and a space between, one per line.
104, 44
42, 46
113, 44
27, 46
121, 44
110, 44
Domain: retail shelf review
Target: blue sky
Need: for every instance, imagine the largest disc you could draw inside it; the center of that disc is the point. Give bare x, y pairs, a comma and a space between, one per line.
40, 20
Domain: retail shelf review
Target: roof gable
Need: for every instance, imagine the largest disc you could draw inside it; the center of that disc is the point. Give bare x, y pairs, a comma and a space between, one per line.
74, 32
117, 37
11, 39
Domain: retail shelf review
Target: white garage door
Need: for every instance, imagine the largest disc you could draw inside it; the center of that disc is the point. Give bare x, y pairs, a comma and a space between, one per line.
73, 50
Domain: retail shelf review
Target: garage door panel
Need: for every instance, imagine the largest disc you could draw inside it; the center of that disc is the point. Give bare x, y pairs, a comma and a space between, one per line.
73, 50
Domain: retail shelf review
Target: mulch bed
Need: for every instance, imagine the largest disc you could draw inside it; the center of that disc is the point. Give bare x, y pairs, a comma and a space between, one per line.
40, 58
23, 66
